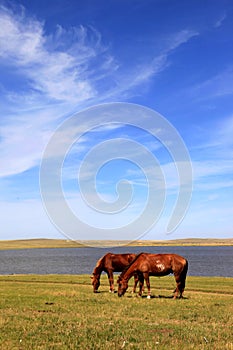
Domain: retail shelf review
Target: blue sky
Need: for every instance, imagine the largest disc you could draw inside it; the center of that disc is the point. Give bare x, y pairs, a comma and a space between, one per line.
60, 57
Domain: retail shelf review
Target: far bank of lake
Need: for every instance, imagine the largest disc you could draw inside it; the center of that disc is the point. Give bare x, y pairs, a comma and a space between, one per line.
64, 243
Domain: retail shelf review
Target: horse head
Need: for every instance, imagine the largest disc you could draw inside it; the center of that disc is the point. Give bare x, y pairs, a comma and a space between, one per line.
122, 286
95, 282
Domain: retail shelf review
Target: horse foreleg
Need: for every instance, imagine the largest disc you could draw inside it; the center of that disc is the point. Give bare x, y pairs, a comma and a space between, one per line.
111, 281
141, 283
146, 276
136, 279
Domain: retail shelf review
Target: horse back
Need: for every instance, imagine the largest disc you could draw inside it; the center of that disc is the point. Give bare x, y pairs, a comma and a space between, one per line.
118, 262
161, 264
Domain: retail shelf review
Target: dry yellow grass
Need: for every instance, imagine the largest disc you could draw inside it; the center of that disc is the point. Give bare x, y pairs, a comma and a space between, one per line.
62, 243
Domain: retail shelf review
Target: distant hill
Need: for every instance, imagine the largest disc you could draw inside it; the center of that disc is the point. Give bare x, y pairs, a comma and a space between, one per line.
62, 243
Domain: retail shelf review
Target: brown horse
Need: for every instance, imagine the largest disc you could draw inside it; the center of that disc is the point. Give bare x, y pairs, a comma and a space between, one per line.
146, 265
110, 263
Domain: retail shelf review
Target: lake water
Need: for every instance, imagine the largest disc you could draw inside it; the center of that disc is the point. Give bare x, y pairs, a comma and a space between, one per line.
203, 261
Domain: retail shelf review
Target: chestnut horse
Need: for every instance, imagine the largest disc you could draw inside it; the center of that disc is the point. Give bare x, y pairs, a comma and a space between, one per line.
110, 263
146, 265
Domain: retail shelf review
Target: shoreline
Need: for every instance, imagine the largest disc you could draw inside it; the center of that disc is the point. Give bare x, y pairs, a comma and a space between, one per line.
63, 243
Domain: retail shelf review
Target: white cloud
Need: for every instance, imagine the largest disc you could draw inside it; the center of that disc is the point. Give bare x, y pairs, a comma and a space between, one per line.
208, 168
23, 140
54, 70
179, 38
225, 132
220, 21
58, 73
152, 66
55, 73
219, 85
25, 219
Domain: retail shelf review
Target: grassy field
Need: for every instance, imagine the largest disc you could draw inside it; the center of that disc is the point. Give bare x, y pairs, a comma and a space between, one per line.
62, 243
62, 312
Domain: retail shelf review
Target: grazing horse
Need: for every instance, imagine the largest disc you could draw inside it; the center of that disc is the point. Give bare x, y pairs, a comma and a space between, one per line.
146, 265
110, 263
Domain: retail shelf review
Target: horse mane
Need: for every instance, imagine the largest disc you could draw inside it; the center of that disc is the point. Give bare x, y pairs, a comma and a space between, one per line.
99, 265
128, 266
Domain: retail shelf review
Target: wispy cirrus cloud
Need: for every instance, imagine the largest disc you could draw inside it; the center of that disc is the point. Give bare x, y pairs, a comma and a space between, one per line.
217, 86
157, 63
58, 71
220, 20
66, 64
51, 75
55, 72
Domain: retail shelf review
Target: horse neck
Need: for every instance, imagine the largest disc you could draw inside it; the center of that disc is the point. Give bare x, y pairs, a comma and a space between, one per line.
97, 271
127, 274
99, 268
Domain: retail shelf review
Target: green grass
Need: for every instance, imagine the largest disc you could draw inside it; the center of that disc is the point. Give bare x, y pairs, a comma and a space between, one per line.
62, 312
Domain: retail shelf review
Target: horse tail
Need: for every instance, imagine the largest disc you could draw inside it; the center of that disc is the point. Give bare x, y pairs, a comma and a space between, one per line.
183, 274
186, 266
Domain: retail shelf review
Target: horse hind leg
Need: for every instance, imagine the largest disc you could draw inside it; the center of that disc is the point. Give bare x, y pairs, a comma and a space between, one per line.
178, 292
181, 279
141, 284
146, 277
180, 285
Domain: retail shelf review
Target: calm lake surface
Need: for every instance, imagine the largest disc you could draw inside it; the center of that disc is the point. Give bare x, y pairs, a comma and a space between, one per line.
203, 261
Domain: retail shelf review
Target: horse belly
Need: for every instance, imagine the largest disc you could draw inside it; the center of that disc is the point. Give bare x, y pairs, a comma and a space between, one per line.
161, 270
118, 267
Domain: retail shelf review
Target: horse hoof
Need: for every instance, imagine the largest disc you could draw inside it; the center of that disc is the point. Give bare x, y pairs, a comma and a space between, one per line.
148, 296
